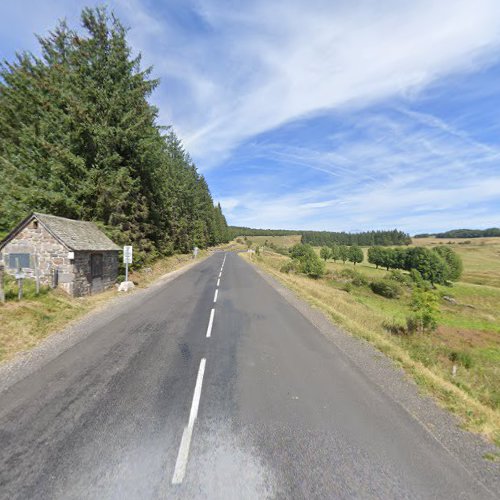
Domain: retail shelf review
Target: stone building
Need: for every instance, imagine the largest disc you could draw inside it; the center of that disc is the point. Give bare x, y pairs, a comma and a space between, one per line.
74, 255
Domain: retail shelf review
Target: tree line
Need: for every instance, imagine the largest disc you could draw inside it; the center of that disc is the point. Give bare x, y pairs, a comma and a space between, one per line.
328, 238
439, 265
464, 233
79, 139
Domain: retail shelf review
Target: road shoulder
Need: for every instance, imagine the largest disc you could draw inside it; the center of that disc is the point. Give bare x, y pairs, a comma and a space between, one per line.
467, 448
27, 362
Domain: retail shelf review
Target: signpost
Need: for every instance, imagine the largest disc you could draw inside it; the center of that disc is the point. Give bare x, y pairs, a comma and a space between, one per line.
127, 258
20, 277
195, 252
2, 293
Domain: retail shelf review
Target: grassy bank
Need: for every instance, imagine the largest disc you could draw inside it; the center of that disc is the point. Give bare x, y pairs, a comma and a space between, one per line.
468, 335
23, 324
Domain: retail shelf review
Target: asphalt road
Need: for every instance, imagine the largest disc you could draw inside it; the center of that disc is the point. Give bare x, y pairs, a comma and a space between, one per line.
148, 406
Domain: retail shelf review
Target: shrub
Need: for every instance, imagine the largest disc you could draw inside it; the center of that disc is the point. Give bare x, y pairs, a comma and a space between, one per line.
425, 305
288, 267
461, 357
395, 328
312, 266
399, 277
386, 288
299, 250
347, 287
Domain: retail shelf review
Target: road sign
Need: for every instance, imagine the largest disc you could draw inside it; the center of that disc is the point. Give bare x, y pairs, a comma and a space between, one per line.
195, 252
127, 254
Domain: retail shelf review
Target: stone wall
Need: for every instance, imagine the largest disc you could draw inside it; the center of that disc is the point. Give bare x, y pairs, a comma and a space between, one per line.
83, 283
74, 276
36, 240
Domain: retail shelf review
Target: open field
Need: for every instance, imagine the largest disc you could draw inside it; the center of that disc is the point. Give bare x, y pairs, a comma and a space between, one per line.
469, 329
281, 241
24, 324
481, 257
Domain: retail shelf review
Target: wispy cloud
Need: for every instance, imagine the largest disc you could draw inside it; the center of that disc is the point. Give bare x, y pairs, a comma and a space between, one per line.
267, 63
322, 114
392, 169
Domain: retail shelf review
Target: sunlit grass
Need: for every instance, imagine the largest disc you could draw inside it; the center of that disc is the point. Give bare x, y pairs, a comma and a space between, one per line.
466, 332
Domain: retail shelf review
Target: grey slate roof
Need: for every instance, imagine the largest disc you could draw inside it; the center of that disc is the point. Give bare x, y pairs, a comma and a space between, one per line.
76, 234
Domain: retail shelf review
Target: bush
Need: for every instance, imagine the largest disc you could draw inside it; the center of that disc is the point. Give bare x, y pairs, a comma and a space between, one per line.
299, 250
386, 288
425, 305
347, 287
395, 328
288, 267
312, 266
356, 278
399, 277
461, 357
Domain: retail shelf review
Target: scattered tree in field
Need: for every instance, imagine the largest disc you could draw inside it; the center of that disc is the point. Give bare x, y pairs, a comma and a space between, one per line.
453, 261
299, 250
325, 253
374, 256
308, 261
355, 254
343, 253
436, 266
312, 266
334, 252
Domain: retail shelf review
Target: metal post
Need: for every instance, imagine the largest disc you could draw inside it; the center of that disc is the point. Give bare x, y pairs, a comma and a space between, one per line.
19, 281
2, 292
37, 274
126, 271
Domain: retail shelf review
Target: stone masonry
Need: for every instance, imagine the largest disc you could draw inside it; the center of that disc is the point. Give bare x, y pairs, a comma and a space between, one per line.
64, 250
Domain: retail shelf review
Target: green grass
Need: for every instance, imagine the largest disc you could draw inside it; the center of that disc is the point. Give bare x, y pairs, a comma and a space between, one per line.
468, 335
23, 324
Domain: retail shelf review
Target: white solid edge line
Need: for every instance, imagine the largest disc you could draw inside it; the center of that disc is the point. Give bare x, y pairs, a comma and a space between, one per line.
215, 296
183, 455
210, 323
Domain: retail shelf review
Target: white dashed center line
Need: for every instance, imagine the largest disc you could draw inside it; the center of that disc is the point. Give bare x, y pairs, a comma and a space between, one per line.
210, 323
215, 296
183, 455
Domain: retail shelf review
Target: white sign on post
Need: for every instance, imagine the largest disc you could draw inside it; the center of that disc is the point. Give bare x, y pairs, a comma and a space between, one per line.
127, 254
127, 259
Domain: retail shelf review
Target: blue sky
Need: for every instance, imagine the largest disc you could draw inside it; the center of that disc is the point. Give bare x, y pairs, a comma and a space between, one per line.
333, 115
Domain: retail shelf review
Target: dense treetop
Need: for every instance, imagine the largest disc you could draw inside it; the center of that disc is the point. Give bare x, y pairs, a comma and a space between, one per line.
79, 139
328, 238
464, 233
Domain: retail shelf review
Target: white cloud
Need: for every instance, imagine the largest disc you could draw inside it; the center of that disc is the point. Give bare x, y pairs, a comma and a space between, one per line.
267, 63
391, 170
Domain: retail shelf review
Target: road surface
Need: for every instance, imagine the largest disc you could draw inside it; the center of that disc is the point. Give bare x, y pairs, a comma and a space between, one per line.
172, 400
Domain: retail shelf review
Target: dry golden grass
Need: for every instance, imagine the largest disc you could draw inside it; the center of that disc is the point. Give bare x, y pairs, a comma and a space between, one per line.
24, 324
281, 241
364, 315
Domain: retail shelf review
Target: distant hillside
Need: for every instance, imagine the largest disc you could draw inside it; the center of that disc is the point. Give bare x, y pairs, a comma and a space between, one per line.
320, 238
464, 233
